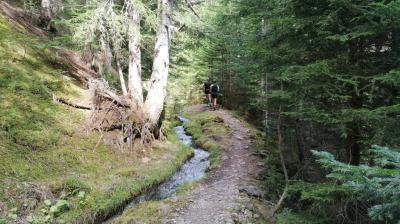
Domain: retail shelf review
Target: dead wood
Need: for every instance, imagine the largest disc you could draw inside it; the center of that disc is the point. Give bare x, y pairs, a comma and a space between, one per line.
76, 67
71, 104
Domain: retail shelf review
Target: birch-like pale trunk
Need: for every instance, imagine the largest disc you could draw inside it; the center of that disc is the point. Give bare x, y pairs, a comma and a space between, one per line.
134, 75
46, 8
122, 79
158, 83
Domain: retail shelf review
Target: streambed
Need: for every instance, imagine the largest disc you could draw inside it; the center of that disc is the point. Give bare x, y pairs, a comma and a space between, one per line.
193, 169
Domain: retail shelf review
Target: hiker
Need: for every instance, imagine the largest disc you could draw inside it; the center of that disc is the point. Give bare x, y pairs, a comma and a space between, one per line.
207, 91
214, 94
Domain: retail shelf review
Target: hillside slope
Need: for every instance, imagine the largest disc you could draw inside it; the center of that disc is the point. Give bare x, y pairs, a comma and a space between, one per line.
50, 170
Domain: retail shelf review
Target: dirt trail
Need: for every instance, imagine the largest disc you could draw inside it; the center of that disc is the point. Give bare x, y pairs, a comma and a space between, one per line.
214, 200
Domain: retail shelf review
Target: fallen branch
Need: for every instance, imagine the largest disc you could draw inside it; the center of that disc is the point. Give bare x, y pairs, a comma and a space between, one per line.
71, 104
110, 95
192, 9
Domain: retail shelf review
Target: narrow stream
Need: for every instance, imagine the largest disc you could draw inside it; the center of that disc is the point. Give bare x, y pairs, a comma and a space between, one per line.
194, 169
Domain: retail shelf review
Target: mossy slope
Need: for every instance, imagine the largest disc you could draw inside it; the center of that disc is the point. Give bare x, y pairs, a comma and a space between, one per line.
45, 159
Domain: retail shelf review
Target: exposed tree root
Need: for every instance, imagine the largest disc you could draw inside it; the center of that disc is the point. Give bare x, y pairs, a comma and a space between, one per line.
108, 115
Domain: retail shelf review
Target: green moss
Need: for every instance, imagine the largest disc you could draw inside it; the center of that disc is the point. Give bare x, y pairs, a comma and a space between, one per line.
147, 175
181, 190
150, 212
147, 212
207, 128
43, 151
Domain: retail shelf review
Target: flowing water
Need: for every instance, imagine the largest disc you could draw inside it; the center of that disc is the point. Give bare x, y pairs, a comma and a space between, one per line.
194, 169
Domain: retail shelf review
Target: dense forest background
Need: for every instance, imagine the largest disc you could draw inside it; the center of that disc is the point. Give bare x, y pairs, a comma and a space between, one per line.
320, 78
326, 75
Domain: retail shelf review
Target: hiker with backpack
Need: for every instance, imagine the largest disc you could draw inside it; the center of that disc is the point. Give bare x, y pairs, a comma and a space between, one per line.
214, 94
207, 91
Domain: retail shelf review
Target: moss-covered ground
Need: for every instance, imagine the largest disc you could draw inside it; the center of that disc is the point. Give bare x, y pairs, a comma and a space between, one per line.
50, 171
208, 129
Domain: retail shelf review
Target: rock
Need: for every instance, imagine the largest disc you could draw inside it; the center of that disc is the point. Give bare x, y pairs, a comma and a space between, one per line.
216, 138
145, 160
235, 218
260, 153
250, 207
252, 191
2, 208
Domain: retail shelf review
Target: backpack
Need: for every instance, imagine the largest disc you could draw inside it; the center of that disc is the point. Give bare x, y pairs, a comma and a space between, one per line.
214, 88
207, 85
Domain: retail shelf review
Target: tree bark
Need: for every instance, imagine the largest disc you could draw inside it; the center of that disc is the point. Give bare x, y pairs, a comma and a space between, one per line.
281, 157
299, 140
352, 144
46, 8
158, 83
122, 79
134, 76
353, 138
50, 8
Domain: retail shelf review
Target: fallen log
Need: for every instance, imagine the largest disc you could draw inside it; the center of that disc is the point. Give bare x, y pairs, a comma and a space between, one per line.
71, 104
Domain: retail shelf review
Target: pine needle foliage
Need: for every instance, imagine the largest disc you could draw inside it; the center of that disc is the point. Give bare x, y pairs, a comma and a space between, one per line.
377, 184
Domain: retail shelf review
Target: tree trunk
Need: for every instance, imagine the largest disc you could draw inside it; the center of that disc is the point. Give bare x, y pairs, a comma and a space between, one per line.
299, 140
282, 159
122, 79
353, 138
46, 8
134, 76
264, 86
352, 144
159, 77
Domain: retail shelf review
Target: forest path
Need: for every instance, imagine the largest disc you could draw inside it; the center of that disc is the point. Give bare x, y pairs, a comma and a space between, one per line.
215, 199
